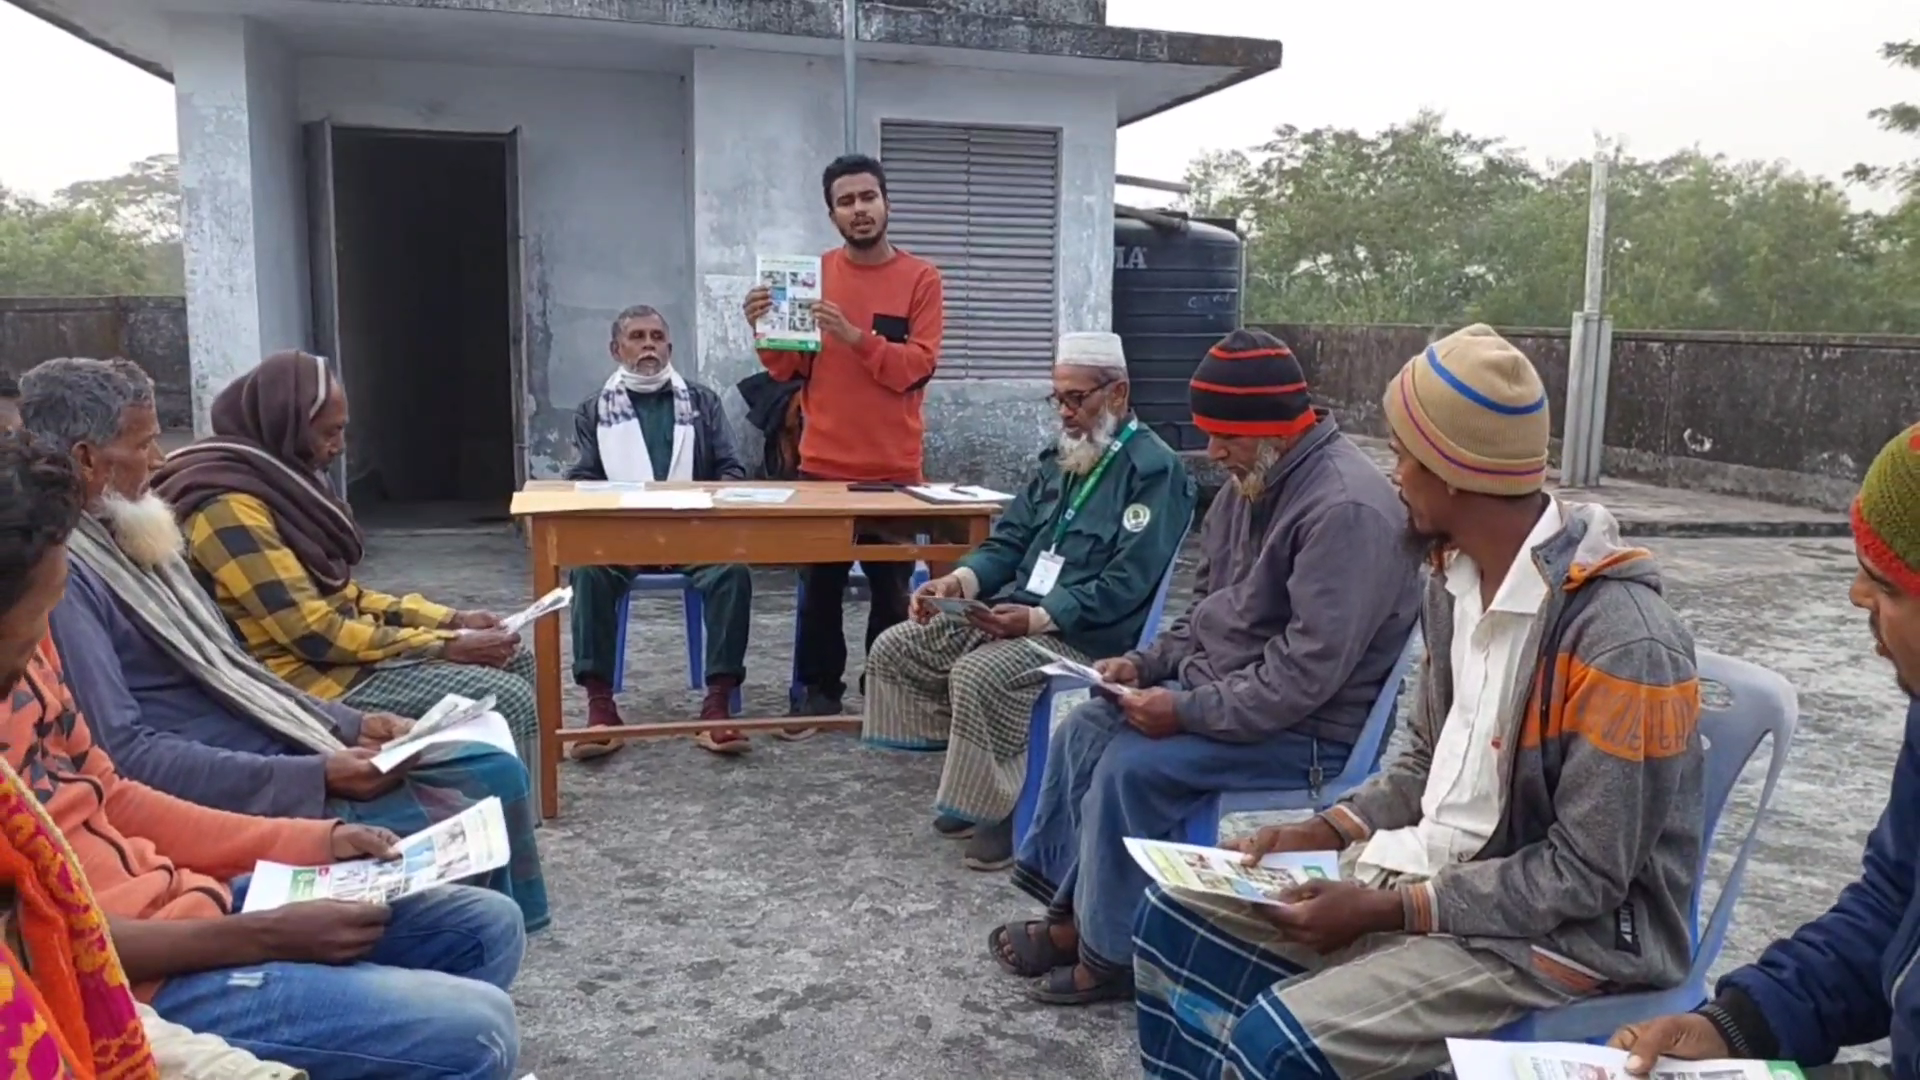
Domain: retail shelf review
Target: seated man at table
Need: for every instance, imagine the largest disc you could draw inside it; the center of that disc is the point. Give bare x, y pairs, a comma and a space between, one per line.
1304, 598
417, 987
277, 548
175, 699
649, 423
1538, 840
1072, 564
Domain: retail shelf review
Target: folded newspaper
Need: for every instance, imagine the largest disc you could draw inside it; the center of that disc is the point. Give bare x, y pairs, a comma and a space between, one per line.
546, 605
459, 720
1482, 1059
1066, 668
1226, 873
471, 842
953, 605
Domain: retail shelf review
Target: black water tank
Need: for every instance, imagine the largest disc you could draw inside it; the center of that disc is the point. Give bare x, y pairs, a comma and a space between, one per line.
1176, 291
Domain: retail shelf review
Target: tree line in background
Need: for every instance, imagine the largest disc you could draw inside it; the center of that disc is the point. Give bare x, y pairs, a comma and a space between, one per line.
118, 236
1425, 224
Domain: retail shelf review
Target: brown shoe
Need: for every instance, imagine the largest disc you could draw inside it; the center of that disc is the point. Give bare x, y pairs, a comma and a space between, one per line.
717, 705
602, 711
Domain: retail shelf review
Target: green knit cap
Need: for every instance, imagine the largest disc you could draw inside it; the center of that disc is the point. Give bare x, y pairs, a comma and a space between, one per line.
1886, 514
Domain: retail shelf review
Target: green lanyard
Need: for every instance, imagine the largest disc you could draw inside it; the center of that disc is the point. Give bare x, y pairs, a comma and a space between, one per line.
1085, 489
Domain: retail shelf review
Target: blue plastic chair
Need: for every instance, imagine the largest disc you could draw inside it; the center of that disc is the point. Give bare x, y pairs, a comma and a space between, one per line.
1203, 827
856, 581
696, 619
1763, 704
1040, 725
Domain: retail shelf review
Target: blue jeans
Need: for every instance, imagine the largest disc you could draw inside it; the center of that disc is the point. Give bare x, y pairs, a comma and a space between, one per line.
430, 1000
1105, 782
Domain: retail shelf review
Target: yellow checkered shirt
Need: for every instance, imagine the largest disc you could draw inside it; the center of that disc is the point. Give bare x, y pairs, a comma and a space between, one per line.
323, 644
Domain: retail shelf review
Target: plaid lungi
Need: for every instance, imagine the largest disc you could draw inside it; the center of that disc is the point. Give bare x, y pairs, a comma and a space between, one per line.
942, 684
447, 779
1220, 997
410, 689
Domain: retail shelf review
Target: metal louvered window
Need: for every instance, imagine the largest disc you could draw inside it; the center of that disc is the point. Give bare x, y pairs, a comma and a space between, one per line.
983, 205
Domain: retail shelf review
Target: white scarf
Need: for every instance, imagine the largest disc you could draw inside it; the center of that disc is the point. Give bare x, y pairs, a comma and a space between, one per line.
623, 446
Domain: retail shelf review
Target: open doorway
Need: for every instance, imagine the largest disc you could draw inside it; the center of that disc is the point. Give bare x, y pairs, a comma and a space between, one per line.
422, 268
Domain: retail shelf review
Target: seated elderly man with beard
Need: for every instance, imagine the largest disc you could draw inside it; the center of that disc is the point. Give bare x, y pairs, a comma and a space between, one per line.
277, 548
1305, 596
1073, 563
180, 705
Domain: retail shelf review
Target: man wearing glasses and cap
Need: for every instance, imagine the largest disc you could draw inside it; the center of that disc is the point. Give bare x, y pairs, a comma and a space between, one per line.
1073, 564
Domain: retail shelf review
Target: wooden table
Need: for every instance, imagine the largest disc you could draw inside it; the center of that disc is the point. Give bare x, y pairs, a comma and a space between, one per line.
821, 523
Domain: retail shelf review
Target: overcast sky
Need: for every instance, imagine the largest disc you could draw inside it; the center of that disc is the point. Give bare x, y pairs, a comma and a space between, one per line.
1776, 79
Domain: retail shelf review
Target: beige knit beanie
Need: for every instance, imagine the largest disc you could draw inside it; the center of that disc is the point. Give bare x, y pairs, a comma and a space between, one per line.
1472, 410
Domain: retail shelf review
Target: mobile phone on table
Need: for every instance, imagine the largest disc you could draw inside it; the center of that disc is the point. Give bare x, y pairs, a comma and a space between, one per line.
868, 485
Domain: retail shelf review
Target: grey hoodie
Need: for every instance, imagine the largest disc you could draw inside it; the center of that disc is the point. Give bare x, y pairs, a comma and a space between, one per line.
1597, 858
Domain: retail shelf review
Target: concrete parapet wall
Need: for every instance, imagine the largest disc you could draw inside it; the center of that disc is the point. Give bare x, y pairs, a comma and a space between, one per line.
149, 330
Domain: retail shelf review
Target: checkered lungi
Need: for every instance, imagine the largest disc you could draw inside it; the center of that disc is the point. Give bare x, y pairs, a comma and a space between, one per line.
944, 685
410, 689
1220, 996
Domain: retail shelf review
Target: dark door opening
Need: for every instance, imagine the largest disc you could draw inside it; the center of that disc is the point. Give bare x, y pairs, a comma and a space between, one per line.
423, 263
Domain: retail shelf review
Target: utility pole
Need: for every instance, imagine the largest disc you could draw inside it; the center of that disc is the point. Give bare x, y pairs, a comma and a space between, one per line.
1590, 352
849, 39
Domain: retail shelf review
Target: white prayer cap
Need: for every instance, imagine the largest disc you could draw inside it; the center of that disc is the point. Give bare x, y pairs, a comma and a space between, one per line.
1091, 348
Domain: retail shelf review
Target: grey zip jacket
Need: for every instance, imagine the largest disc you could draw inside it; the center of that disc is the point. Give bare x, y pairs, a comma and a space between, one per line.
1590, 877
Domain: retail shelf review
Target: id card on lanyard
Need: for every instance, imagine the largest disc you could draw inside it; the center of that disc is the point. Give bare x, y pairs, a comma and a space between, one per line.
1046, 569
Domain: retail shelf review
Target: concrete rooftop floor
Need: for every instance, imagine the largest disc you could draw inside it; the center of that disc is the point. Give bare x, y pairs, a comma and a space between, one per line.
791, 913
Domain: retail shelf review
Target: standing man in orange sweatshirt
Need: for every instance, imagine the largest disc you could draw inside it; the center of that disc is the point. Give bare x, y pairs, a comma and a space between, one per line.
881, 314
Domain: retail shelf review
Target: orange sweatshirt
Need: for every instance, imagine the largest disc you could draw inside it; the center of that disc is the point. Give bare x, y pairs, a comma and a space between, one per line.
147, 855
862, 402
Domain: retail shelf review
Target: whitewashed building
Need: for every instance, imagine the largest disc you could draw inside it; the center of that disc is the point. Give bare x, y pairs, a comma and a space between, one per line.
453, 197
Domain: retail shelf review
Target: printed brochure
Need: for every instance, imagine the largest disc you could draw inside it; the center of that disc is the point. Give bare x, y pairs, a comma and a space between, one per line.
469, 843
1482, 1059
546, 605
794, 282
1055, 664
1226, 873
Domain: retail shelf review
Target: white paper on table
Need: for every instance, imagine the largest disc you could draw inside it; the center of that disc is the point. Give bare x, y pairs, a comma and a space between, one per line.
959, 493
1484, 1059
1225, 873
670, 499
756, 496
546, 605
603, 487
471, 842
488, 728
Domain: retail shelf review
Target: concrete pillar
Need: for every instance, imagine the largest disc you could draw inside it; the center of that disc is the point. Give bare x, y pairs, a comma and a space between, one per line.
243, 204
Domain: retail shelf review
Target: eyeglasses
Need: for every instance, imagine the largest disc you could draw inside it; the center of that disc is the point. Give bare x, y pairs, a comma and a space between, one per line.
1076, 400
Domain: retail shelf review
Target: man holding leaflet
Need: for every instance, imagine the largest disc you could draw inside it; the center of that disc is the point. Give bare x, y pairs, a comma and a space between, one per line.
880, 316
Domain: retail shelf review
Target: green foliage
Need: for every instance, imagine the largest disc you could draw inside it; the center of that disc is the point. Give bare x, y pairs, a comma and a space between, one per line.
116, 236
1429, 225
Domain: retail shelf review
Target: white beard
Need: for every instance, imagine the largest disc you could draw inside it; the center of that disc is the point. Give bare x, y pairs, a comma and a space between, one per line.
144, 528
1251, 485
1080, 453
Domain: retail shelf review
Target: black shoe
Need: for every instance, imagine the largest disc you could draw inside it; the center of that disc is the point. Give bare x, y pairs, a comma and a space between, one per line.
953, 828
991, 847
817, 703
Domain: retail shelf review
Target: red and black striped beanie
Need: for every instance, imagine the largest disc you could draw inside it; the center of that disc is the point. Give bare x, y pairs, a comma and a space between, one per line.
1250, 384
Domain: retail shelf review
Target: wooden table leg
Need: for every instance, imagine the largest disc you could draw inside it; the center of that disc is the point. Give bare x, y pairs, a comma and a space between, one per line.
546, 679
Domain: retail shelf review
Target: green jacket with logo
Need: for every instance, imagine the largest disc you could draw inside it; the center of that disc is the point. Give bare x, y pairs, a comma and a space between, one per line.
1116, 550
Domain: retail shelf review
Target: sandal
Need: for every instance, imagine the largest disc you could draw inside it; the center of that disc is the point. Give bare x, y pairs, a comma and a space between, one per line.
724, 743
796, 734
1057, 987
1031, 954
